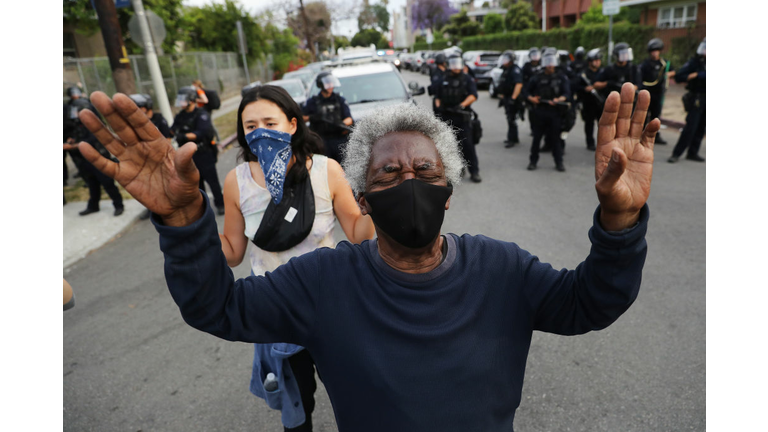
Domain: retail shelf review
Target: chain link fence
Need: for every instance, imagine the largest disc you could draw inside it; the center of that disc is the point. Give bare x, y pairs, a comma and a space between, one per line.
218, 71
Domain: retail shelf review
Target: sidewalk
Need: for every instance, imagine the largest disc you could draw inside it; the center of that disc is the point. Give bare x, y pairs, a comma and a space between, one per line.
672, 113
85, 234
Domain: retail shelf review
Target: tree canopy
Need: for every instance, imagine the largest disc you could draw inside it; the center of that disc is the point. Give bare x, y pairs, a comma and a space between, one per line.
520, 16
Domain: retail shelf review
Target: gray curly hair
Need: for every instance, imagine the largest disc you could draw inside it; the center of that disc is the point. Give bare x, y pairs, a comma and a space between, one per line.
399, 118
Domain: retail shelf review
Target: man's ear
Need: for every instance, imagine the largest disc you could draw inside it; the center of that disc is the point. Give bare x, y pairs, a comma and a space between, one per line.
448, 203
363, 204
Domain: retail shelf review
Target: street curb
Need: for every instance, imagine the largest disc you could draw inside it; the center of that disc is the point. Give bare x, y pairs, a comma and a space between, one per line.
227, 141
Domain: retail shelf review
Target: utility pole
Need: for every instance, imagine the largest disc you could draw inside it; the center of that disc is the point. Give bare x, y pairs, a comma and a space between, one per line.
543, 15
154, 66
113, 41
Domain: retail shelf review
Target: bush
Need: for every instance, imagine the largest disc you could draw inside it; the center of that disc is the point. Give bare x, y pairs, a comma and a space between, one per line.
438, 44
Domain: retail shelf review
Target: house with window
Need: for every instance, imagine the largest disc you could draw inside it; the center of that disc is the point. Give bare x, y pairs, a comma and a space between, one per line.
677, 22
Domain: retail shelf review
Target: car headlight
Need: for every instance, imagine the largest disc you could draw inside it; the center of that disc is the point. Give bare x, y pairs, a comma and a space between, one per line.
397, 62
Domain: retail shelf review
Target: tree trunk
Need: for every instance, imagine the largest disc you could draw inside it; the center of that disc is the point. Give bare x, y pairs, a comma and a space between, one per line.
307, 34
113, 41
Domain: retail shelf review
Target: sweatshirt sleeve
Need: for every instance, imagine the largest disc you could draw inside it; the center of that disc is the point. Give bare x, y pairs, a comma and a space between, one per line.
598, 291
277, 307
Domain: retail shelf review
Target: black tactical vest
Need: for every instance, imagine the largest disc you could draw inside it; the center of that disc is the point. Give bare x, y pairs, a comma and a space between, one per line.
329, 111
549, 86
454, 90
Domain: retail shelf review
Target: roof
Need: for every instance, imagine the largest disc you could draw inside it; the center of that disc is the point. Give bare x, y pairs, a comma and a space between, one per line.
364, 69
483, 12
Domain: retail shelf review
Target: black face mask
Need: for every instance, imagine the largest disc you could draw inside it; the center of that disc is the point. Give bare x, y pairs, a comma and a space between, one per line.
411, 212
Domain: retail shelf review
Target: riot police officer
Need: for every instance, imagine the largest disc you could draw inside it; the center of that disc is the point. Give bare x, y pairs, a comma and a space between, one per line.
144, 102
654, 72
71, 122
548, 91
590, 100
436, 79
454, 96
510, 86
694, 73
530, 68
94, 178
621, 71
193, 124
329, 115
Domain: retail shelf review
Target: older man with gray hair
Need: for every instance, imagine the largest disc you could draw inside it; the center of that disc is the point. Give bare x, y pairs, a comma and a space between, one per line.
413, 331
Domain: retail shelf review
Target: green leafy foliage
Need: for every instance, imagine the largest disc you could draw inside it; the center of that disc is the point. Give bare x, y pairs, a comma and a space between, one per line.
520, 16
459, 26
369, 36
493, 23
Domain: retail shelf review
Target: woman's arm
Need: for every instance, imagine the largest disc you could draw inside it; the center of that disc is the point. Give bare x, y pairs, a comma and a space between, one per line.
201, 97
233, 240
356, 226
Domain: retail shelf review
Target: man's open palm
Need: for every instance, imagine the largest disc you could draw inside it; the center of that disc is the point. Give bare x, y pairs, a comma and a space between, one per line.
624, 155
163, 179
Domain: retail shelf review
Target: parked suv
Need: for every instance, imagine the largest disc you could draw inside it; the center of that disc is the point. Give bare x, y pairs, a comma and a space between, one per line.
419, 58
481, 63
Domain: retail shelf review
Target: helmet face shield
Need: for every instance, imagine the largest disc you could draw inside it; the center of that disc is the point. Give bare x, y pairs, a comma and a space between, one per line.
74, 91
702, 49
455, 63
330, 82
181, 100
534, 55
549, 60
624, 55
139, 99
505, 58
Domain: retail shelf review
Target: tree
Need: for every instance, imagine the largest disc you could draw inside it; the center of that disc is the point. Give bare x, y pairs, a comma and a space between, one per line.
431, 14
493, 23
311, 22
459, 25
593, 15
213, 27
373, 16
520, 16
369, 36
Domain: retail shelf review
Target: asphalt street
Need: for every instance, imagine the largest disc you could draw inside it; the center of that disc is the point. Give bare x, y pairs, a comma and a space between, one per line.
131, 363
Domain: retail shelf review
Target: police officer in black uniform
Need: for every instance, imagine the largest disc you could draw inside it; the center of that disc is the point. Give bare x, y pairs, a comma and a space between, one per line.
193, 124
328, 115
579, 63
454, 96
71, 122
510, 87
94, 178
144, 102
437, 73
590, 100
530, 68
694, 73
615, 75
548, 91
654, 72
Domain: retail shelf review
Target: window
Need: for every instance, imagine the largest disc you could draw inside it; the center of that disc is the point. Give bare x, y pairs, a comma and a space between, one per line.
676, 16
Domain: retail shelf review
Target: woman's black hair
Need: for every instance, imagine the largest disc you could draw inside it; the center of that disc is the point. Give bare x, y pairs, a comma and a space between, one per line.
303, 143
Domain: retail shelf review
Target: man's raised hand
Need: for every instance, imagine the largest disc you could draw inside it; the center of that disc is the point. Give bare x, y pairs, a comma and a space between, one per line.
624, 158
163, 179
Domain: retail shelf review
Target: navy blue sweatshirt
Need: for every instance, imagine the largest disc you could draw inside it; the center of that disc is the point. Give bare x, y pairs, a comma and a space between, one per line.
439, 351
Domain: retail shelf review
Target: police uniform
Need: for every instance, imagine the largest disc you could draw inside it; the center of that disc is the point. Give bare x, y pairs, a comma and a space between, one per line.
548, 118
696, 120
94, 178
615, 76
325, 116
529, 70
654, 76
198, 122
159, 121
591, 104
436, 80
510, 77
454, 89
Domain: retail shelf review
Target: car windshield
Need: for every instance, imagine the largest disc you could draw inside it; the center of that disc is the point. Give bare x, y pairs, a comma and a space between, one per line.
370, 88
303, 76
292, 87
489, 58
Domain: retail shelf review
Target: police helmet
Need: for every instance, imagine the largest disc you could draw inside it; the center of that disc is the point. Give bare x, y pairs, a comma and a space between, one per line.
702, 49
594, 54
142, 100
249, 87
440, 59
655, 44
565, 58
326, 80
185, 96
507, 57
549, 58
76, 106
455, 62
74, 91
534, 54
579, 53
622, 52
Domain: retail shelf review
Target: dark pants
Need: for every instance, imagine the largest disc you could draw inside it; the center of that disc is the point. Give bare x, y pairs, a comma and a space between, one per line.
531, 115
510, 109
464, 136
547, 124
334, 146
695, 128
66, 170
205, 161
590, 113
303, 367
654, 109
95, 180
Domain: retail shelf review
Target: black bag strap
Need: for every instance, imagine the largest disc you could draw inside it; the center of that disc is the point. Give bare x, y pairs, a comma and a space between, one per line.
280, 230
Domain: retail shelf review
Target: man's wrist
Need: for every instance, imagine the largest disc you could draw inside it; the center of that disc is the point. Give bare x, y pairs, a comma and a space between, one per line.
186, 215
614, 222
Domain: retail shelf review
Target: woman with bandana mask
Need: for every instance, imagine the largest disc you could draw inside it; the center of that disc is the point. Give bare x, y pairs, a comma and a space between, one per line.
280, 152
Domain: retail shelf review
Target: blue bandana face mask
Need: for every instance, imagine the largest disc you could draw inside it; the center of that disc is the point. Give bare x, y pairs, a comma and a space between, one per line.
273, 148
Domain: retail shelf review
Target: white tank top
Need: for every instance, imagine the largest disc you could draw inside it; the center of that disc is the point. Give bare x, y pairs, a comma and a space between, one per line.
253, 203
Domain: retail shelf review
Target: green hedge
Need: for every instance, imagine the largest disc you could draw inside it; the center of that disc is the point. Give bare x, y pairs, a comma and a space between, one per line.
438, 44
588, 36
